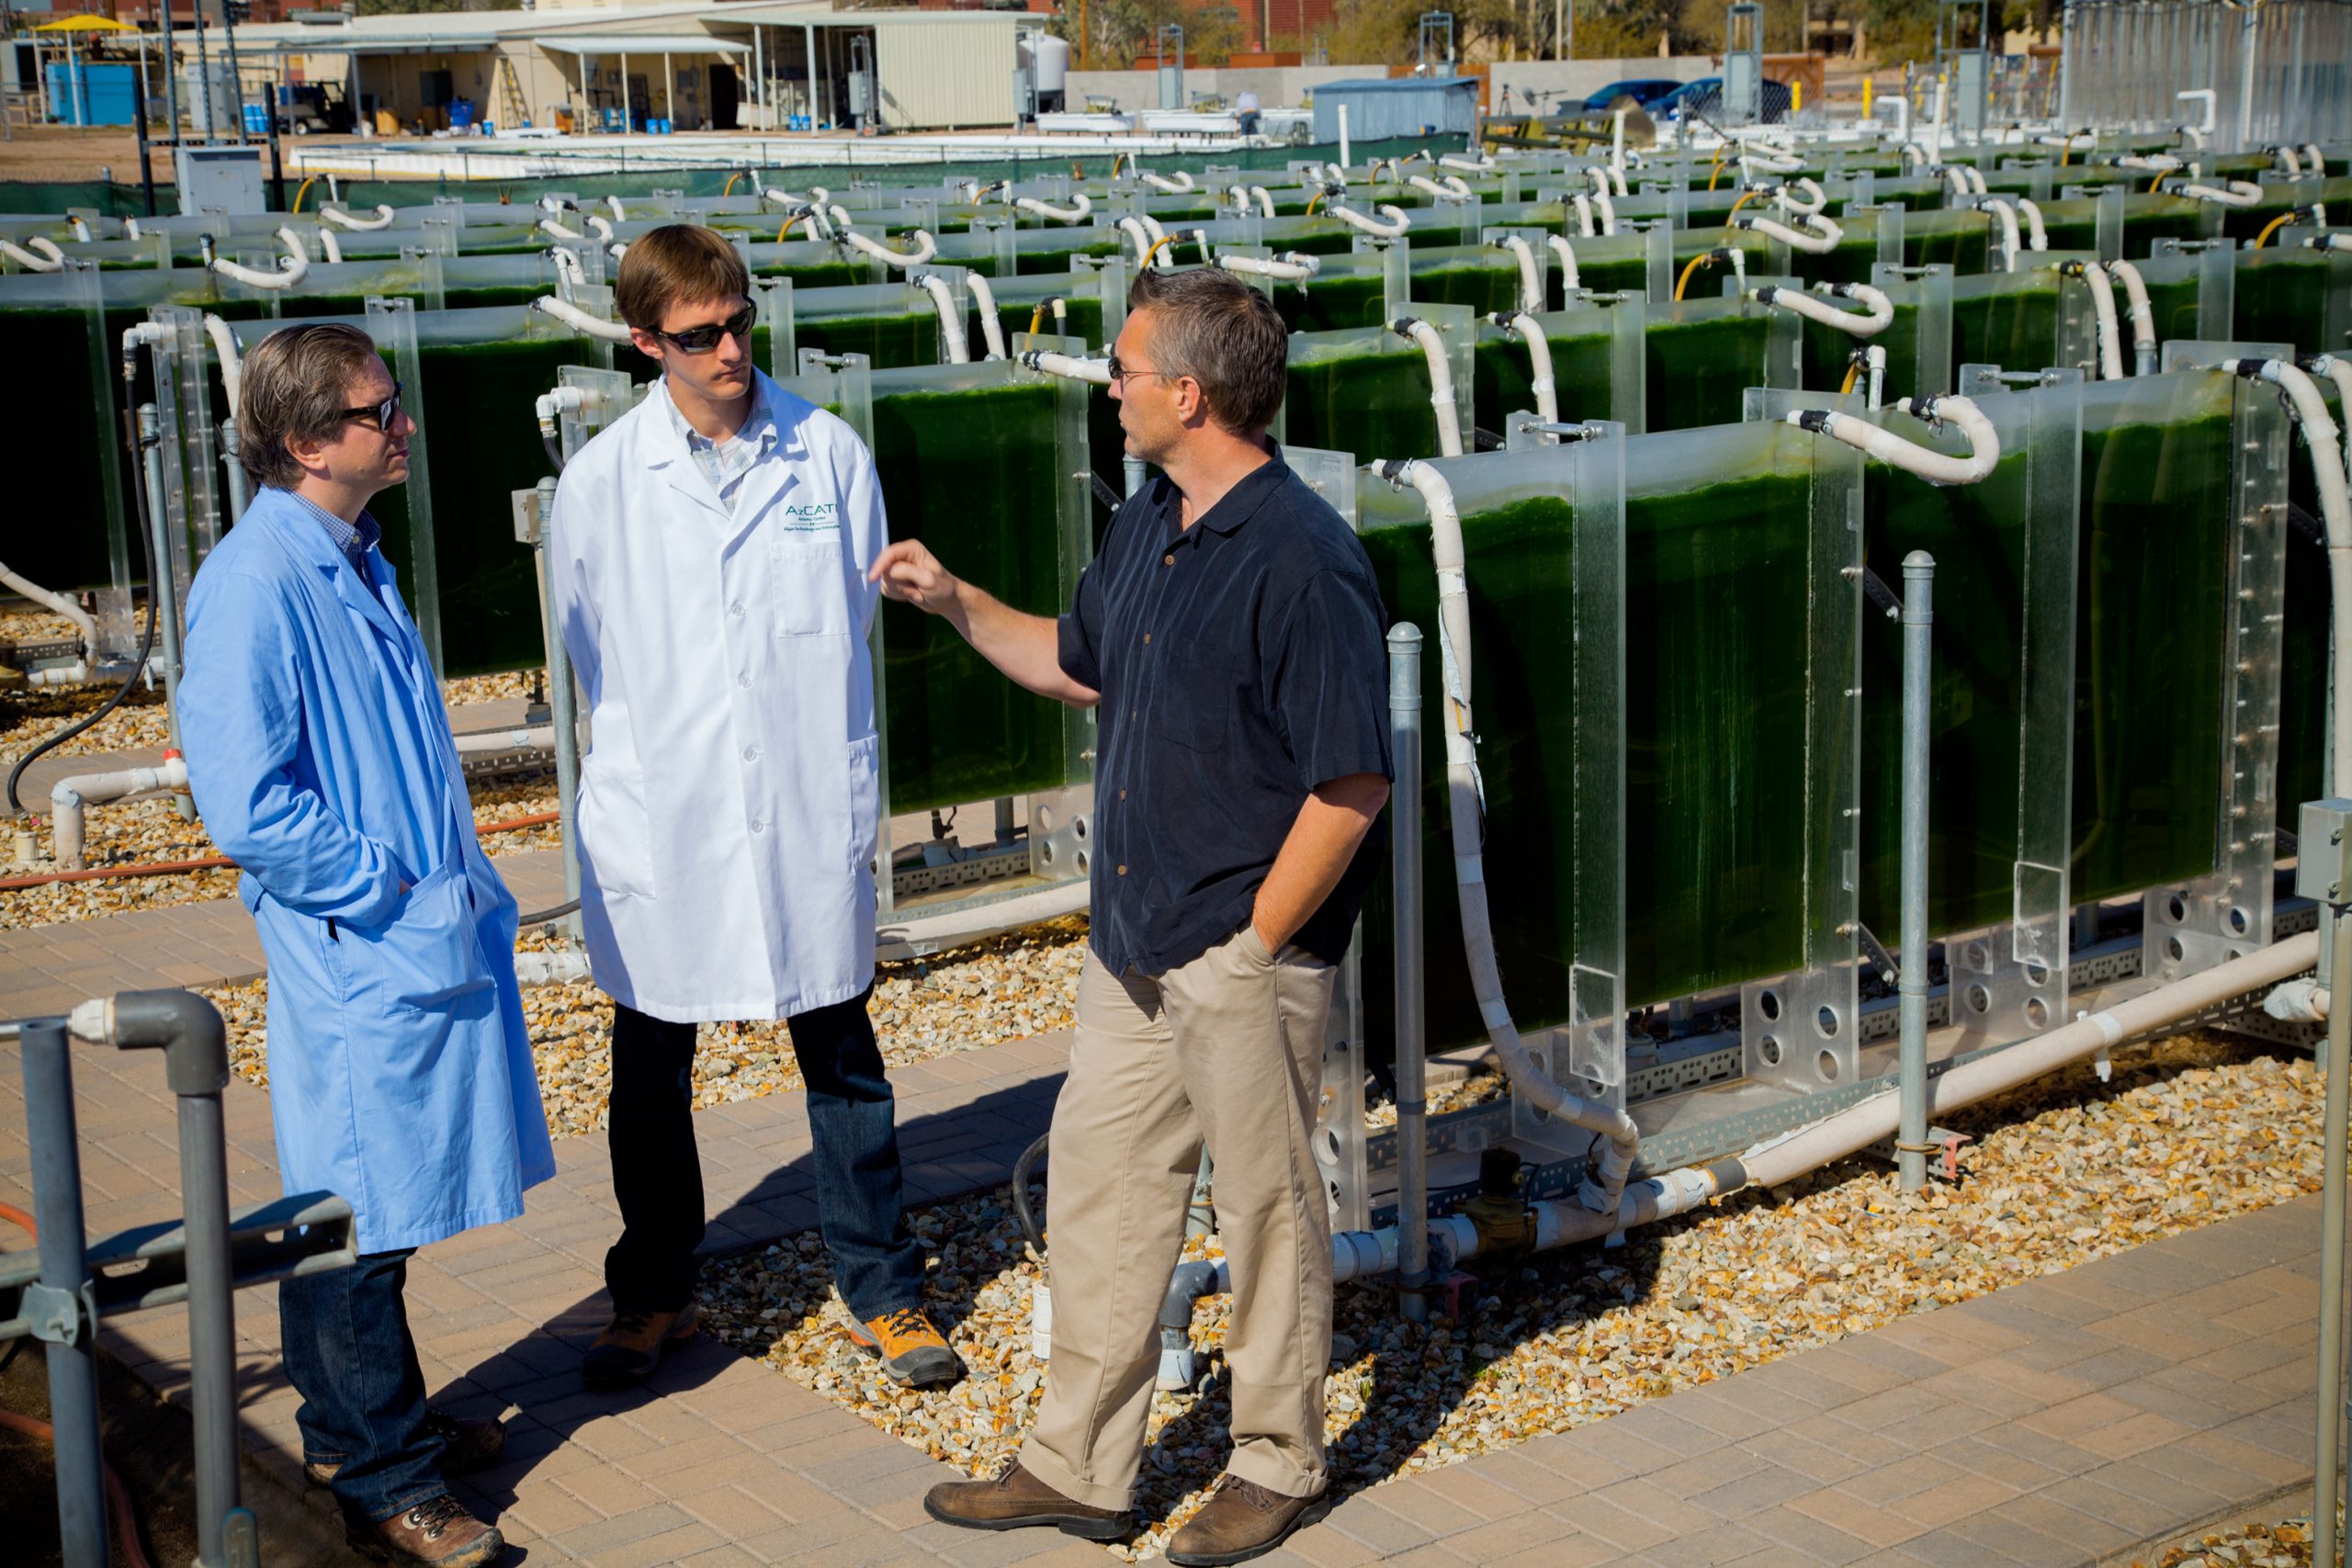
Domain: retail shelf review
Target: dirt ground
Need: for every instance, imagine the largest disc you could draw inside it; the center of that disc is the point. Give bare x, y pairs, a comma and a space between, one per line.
67, 152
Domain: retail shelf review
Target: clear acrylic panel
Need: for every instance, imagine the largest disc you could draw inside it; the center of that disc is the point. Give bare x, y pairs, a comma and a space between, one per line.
1927, 290
392, 323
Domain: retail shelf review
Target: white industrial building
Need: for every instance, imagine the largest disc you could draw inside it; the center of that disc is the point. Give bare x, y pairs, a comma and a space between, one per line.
699, 66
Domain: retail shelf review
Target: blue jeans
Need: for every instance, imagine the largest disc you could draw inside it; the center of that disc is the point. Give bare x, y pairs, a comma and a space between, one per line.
349, 1354
657, 1176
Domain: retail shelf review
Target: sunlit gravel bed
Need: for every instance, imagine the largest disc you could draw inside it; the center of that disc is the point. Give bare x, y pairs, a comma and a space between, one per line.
2188, 1131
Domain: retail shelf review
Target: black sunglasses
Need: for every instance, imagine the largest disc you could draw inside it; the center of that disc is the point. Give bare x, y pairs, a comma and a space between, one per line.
383, 415
1120, 373
702, 340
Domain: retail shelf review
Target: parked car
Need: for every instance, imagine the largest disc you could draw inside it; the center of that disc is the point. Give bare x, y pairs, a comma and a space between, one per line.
1644, 90
1704, 97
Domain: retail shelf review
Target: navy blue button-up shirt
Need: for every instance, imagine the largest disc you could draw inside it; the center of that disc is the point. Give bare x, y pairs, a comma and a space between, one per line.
1241, 666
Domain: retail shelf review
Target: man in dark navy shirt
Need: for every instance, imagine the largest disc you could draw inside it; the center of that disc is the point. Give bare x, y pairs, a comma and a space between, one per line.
1230, 633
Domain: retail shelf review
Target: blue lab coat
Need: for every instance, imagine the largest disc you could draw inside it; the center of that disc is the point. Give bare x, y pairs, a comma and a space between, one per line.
319, 752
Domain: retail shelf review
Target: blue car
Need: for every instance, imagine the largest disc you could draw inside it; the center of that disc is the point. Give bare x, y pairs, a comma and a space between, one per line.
1705, 97
1643, 91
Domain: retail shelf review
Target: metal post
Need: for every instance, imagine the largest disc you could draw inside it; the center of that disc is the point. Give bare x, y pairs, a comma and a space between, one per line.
198, 1071
1412, 1046
164, 594
563, 713
234, 470
1133, 470
2327, 1474
73, 1356
1918, 625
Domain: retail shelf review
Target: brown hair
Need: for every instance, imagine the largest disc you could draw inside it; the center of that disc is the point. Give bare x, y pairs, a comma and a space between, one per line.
1210, 325
296, 384
678, 263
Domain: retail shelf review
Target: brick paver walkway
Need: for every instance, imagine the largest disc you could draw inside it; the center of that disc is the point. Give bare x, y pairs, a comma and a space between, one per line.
2055, 1424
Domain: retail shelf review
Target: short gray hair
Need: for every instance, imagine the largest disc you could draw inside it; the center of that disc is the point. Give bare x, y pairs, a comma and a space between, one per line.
1210, 325
296, 384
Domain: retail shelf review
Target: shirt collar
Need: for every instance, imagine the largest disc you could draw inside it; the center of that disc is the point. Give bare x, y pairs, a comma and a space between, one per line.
352, 540
1236, 505
759, 425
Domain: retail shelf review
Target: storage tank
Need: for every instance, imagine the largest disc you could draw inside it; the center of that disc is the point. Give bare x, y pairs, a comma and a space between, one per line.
1053, 62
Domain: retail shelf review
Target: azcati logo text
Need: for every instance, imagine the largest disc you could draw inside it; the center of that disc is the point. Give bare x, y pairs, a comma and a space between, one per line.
812, 517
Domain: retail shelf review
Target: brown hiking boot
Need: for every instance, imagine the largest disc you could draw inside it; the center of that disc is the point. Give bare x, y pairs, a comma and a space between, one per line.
632, 1345
910, 1349
1241, 1520
467, 1443
1014, 1499
438, 1532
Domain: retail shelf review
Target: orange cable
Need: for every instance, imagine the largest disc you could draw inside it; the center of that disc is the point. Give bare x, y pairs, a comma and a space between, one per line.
218, 863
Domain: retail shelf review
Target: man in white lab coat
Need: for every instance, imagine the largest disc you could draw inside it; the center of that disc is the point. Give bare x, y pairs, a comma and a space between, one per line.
708, 554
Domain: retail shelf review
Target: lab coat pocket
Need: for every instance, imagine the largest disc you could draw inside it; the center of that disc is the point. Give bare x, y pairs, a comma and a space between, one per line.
864, 804
615, 842
425, 956
812, 594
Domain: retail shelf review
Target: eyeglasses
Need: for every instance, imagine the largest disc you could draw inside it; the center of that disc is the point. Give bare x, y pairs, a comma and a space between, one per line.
702, 340
1119, 372
383, 415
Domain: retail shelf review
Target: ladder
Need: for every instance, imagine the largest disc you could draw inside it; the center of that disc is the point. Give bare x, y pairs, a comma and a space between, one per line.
512, 109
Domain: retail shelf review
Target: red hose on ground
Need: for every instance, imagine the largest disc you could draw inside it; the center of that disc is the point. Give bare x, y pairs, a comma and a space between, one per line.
217, 862
126, 1529
16, 1216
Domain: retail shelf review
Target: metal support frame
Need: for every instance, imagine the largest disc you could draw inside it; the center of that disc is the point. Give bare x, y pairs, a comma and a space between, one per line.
1412, 1044
2322, 873
1918, 659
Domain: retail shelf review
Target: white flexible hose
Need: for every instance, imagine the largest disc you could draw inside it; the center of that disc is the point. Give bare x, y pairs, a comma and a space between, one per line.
50, 259
1959, 178
2110, 347
951, 319
567, 264
1132, 227
2338, 369
2037, 237
2318, 158
2144, 319
1080, 205
1976, 178
549, 226
1817, 243
1620, 1141
1583, 205
1806, 205
1539, 355
1288, 267
1984, 442
2329, 243
619, 214
1477, 163
2324, 442
2154, 163
1265, 201
1435, 191
232, 366
1598, 174
2234, 193
294, 267
573, 316
1097, 371
925, 247
57, 603
1876, 315
991, 325
2011, 241
602, 226
1531, 276
342, 219
1176, 185
1608, 212
1397, 221
1449, 418
82, 231
1152, 226
1560, 248
2286, 156
1770, 161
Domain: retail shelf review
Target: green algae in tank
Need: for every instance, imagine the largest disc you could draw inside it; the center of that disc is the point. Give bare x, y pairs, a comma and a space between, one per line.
2148, 653
1700, 367
1374, 404
2172, 307
2283, 297
1629, 273
891, 342
1484, 288
1081, 318
2171, 219
1965, 250
2016, 328
501, 294
1026, 261
819, 275
1329, 304
1504, 377
2302, 682
973, 475
1829, 352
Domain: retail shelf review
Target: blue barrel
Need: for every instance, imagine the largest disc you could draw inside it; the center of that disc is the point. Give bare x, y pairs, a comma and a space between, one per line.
256, 119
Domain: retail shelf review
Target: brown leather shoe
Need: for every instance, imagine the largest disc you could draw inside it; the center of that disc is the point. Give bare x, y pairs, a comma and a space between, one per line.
1014, 1499
467, 1443
632, 1345
438, 1532
1241, 1520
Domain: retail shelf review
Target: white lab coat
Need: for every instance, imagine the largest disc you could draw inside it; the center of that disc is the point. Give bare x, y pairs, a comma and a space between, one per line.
727, 807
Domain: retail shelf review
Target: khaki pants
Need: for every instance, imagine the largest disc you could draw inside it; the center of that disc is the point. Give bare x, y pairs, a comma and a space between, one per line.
1226, 1049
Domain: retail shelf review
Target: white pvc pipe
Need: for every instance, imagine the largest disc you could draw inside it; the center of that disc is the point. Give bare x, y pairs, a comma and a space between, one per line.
2011, 243
294, 267
925, 247
233, 367
1531, 277
2236, 193
1398, 222
1288, 267
573, 316
1835, 1137
1449, 418
549, 226
1080, 205
337, 216
1876, 315
1561, 249
1097, 371
68, 797
1539, 355
1620, 1141
1874, 358
57, 603
951, 319
1816, 243
1984, 442
2037, 237
49, 258
991, 326
2144, 319
2110, 348
1175, 184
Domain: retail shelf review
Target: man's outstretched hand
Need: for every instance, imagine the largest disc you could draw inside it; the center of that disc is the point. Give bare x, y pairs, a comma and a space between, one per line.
911, 574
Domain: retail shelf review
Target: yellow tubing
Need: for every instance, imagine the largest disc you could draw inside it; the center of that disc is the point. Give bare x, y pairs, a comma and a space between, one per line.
2271, 228
1736, 206
1696, 263
2154, 183
1310, 203
1853, 369
301, 193
1036, 318
730, 185
1164, 240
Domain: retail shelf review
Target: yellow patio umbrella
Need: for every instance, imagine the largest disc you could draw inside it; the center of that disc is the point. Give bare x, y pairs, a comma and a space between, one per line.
71, 26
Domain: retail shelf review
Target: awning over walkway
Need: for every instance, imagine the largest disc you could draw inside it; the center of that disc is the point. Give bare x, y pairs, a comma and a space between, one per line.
639, 43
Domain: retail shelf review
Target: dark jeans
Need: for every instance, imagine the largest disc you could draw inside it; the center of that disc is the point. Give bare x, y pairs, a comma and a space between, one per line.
348, 1354
657, 1176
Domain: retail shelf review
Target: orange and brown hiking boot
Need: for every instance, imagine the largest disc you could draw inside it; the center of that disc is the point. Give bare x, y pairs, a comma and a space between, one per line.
911, 1350
631, 1346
